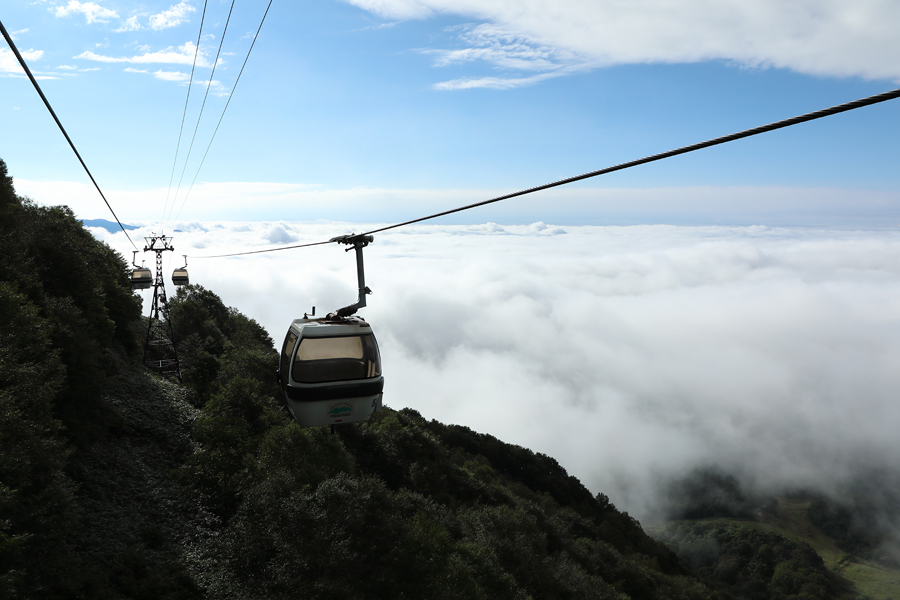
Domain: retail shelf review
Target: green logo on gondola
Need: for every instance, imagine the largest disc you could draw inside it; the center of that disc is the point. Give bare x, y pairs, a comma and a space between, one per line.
340, 410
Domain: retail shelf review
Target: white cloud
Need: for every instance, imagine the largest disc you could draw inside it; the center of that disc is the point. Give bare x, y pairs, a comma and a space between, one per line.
495, 83
174, 16
818, 37
508, 51
278, 234
367, 28
67, 67
502, 48
130, 24
215, 87
399, 9
627, 353
183, 55
92, 12
171, 75
9, 63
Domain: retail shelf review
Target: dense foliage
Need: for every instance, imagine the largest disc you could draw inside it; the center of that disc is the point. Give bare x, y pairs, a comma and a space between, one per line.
36, 503
79, 288
397, 507
387, 509
863, 520
706, 493
65, 305
76, 519
754, 565
866, 521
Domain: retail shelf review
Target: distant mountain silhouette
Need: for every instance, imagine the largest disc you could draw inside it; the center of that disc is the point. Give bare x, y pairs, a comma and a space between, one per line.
110, 226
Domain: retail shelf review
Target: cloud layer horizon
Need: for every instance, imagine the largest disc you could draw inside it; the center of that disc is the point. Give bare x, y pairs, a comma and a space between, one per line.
632, 355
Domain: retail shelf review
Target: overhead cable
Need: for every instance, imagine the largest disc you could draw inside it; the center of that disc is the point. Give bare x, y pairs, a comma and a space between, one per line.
61, 128
269, 250
184, 113
202, 106
684, 150
883, 97
222, 116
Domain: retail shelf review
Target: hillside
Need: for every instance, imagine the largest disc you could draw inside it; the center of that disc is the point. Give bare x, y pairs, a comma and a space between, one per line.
740, 541
116, 483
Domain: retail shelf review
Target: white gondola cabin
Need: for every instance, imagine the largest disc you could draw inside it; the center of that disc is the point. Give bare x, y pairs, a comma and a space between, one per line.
180, 276
141, 278
330, 371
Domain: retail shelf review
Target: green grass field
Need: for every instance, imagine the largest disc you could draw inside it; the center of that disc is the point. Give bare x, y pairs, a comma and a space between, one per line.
792, 521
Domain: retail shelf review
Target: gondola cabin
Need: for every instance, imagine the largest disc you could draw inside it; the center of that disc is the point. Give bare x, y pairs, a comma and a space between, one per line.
141, 278
330, 371
180, 276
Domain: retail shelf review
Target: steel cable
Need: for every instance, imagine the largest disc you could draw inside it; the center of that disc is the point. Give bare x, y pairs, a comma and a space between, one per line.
222, 116
683, 150
883, 97
61, 128
202, 106
184, 114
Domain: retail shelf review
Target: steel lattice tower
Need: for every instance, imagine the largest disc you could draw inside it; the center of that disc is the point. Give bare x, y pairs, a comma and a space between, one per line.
160, 354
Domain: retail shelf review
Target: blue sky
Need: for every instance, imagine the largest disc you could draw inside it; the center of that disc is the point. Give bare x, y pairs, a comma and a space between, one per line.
418, 105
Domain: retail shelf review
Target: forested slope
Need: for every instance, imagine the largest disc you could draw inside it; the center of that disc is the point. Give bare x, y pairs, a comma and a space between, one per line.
115, 483
801, 546
396, 507
65, 309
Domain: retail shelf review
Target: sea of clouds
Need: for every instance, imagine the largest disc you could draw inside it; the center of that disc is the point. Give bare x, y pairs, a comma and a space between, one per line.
630, 354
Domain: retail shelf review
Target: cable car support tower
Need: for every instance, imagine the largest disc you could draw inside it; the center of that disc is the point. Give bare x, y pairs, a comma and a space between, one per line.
160, 354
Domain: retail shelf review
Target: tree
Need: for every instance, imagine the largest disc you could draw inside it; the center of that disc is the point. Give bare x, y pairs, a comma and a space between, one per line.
36, 503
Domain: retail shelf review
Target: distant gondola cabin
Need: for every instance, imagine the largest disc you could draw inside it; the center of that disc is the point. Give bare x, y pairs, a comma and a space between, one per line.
141, 278
330, 371
180, 276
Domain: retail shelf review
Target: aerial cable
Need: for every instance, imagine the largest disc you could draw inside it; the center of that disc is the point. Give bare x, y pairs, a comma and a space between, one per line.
222, 116
61, 128
268, 250
883, 97
202, 106
181, 130
684, 150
